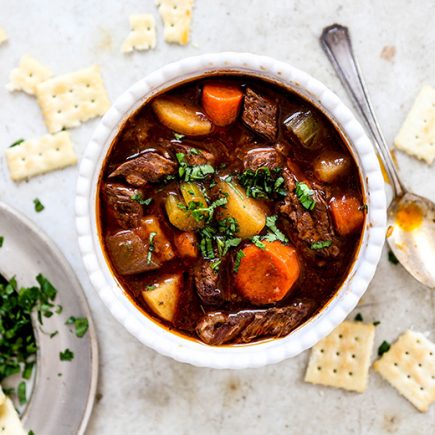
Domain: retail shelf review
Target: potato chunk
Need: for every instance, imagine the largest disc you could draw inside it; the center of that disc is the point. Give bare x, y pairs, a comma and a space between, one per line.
181, 117
179, 208
330, 165
248, 213
162, 246
163, 296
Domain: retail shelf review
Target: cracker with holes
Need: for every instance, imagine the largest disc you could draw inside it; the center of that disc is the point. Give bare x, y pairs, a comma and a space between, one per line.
37, 156
68, 100
417, 135
342, 359
142, 35
28, 75
409, 366
176, 16
3, 35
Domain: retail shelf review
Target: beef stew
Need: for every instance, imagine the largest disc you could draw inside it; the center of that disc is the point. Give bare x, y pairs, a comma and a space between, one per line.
230, 209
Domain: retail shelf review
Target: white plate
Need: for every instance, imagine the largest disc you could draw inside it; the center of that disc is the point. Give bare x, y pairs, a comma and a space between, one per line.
63, 392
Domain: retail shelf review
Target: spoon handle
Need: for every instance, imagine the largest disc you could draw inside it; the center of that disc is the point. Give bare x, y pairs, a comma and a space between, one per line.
336, 42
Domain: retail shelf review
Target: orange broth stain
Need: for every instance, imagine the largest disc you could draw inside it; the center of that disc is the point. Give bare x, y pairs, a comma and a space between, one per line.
409, 216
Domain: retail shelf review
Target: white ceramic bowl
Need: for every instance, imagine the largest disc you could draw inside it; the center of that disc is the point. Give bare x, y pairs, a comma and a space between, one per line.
251, 355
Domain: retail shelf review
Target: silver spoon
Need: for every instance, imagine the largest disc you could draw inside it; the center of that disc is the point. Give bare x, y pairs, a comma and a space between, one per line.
411, 218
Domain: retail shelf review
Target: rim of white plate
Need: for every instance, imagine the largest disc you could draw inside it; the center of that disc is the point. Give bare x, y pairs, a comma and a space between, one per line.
184, 349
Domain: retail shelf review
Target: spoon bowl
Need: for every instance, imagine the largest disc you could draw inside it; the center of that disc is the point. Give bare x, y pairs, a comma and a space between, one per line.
411, 235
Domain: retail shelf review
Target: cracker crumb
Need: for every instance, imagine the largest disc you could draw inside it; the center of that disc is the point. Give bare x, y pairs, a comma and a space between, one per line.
142, 35
388, 53
29, 74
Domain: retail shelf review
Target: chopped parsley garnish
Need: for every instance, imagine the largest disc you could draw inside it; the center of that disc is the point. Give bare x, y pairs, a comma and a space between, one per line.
2, 239
376, 322
305, 196
194, 151
38, 205
275, 233
215, 264
192, 173
21, 393
263, 183
218, 239
321, 244
384, 347
151, 246
239, 256
17, 341
138, 198
16, 143
81, 325
178, 136
257, 242
392, 258
66, 355
149, 288
359, 318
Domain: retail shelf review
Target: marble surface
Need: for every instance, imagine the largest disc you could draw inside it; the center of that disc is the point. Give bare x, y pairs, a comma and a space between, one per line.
141, 392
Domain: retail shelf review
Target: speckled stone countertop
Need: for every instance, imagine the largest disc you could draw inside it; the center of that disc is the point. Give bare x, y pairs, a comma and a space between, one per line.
141, 392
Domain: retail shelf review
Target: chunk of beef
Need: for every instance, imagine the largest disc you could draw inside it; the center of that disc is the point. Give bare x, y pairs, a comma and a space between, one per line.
194, 156
207, 283
136, 133
217, 328
263, 157
260, 114
127, 212
309, 225
128, 253
149, 167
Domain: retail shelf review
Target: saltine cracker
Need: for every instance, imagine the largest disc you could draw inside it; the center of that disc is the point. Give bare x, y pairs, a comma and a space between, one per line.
342, 359
68, 100
409, 366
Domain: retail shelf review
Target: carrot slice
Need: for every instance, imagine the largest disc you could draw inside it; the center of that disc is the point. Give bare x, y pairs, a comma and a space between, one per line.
267, 275
347, 214
221, 102
186, 244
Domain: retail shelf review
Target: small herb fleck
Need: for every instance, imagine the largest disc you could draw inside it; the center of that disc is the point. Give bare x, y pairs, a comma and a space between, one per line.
257, 242
81, 325
321, 244
2, 239
275, 233
153, 234
359, 318
384, 347
376, 322
305, 194
392, 258
178, 136
138, 198
38, 205
16, 143
149, 288
21, 393
239, 256
66, 355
